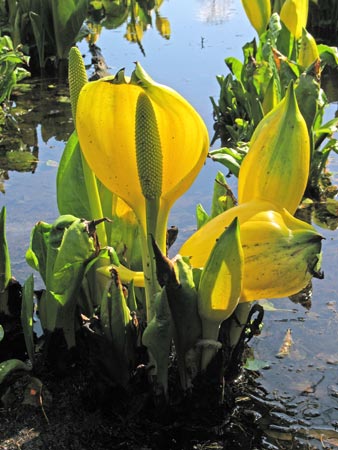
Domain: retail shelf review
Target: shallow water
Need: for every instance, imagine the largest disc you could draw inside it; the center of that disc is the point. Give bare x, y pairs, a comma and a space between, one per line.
203, 33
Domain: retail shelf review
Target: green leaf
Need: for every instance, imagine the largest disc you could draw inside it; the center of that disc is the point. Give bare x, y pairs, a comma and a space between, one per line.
131, 298
307, 92
115, 319
157, 338
229, 157
72, 195
9, 366
39, 35
27, 310
2, 333
328, 55
221, 200
36, 255
78, 190
202, 217
235, 66
96, 4
61, 252
68, 17
182, 299
5, 263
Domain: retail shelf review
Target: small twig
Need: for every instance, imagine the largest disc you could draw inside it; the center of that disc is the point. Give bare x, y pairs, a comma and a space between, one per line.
41, 405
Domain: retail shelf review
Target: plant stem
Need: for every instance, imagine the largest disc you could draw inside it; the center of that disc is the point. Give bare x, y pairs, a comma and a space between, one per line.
148, 258
94, 200
210, 330
242, 312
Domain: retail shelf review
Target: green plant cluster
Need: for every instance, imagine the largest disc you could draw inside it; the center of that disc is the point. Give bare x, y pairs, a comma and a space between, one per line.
45, 28
269, 64
12, 71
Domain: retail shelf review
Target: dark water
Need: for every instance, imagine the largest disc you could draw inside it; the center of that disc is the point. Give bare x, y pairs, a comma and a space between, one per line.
203, 33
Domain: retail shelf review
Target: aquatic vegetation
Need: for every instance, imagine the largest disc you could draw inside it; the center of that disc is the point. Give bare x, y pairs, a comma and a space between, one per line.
257, 85
48, 28
131, 156
12, 63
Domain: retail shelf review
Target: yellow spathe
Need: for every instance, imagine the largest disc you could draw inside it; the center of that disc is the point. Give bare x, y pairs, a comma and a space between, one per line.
276, 168
294, 14
106, 125
280, 251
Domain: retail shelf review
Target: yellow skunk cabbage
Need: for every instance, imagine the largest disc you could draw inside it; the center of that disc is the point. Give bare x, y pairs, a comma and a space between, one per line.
280, 252
276, 168
294, 15
146, 144
258, 13
308, 52
142, 139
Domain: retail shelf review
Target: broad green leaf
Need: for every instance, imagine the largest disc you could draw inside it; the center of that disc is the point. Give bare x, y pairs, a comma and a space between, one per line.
74, 252
235, 66
72, 195
78, 190
36, 255
61, 252
27, 310
228, 160
307, 92
2, 333
329, 55
68, 17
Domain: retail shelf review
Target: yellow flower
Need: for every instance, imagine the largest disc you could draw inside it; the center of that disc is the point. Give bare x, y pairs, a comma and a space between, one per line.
142, 139
258, 13
146, 144
280, 252
294, 15
276, 168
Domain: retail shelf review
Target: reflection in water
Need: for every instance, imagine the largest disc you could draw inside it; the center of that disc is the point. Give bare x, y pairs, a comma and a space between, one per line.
215, 11
44, 110
136, 16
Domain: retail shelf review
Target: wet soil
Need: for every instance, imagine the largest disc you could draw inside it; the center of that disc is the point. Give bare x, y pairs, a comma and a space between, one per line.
42, 410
